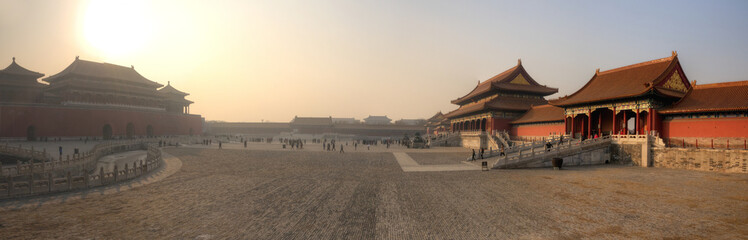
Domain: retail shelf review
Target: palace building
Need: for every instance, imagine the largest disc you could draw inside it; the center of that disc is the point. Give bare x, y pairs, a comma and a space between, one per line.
90, 99
649, 98
494, 103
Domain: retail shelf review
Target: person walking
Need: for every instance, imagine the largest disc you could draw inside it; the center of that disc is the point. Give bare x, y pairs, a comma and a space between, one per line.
341, 149
220, 145
473, 157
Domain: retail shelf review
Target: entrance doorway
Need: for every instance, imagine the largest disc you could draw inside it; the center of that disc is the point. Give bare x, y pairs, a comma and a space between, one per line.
31, 133
107, 132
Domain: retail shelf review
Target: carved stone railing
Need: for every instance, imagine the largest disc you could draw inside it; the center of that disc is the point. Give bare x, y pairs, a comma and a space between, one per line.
85, 160
30, 182
528, 146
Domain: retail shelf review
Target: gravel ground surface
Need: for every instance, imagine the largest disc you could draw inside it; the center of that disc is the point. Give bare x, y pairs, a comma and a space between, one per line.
239, 194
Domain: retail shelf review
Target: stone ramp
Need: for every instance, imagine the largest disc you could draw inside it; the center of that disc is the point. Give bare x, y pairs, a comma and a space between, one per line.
539, 158
409, 165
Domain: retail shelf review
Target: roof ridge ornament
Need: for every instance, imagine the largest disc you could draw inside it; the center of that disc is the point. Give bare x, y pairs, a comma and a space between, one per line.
519, 61
14, 59
675, 53
76, 57
597, 71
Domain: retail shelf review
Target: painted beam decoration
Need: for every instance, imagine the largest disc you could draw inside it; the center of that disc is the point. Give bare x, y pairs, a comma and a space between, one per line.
616, 106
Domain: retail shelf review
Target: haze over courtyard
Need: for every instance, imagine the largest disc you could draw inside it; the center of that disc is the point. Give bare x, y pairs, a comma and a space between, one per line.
279, 59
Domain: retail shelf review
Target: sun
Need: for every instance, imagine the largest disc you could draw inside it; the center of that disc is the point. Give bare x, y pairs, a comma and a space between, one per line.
116, 28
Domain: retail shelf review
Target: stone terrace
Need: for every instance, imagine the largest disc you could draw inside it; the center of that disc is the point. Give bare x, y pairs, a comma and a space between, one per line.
259, 194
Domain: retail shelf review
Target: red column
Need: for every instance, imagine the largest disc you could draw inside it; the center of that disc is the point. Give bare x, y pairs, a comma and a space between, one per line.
589, 123
566, 125
599, 123
615, 127
637, 122
572, 126
654, 120
625, 124
649, 120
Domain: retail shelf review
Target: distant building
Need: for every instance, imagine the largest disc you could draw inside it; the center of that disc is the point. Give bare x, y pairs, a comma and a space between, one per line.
345, 121
437, 124
90, 99
411, 122
377, 120
311, 125
20, 85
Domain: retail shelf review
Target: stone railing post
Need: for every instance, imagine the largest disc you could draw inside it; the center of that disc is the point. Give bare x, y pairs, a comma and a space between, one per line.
70, 181
10, 185
115, 172
101, 175
127, 174
31, 183
50, 181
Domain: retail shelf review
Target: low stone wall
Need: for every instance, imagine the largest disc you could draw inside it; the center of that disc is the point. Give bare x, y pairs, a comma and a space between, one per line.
626, 153
714, 160
720, 142
474, 141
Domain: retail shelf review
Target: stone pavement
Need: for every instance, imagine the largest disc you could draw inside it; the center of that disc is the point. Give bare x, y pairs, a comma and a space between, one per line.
263, 194
120, 159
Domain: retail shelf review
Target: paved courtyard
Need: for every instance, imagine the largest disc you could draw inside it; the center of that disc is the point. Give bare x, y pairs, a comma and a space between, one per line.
291, 194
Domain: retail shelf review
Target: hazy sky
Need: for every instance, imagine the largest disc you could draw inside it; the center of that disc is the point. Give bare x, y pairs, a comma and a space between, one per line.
272, 60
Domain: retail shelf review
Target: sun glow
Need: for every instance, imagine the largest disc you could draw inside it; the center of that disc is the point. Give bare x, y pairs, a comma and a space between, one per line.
117, 28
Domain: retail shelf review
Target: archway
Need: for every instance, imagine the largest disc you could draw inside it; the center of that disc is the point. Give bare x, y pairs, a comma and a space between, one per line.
31, 133
130, 130
602, 121
149, 131
107, 132
643, 122
581, 126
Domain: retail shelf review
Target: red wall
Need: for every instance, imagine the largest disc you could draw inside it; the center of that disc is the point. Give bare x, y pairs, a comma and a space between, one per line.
55, 121
537, 130
705, 127
500, 124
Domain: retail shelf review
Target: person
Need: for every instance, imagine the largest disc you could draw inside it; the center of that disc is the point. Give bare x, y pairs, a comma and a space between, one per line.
473, 157
481, 153
60, 152
548, 146
502, 152
220, 146
245, 144
355, 145
341, 149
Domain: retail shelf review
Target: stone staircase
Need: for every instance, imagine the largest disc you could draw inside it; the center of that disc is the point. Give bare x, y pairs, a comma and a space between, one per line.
513, 148
532, 155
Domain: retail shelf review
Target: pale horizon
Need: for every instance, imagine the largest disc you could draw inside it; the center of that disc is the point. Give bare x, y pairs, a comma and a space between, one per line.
270, 61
